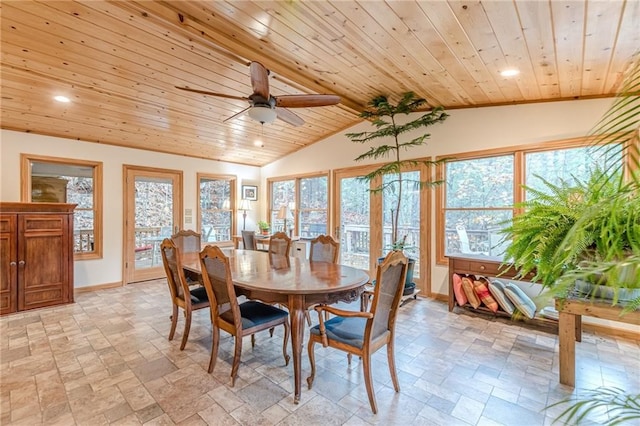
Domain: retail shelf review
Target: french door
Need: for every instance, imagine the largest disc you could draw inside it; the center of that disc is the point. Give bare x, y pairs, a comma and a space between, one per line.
152, 211
353, 220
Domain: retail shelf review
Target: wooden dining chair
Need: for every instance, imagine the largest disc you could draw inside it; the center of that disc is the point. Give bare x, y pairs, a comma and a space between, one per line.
363, 333
195, 299
240, 320
188, 241
280, 244
324, 248
248, 240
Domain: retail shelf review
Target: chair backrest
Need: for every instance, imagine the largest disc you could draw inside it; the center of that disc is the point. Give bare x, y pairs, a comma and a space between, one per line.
187, 240
217, 281
248, 240
173, 268
324, 249
390, 278
279, 244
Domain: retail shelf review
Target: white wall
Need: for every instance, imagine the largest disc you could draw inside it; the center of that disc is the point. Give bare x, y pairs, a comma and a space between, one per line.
465, 130
109, 268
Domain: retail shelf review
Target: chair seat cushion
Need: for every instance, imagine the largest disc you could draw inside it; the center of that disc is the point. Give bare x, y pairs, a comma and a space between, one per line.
345, 330
255, 313
198, 295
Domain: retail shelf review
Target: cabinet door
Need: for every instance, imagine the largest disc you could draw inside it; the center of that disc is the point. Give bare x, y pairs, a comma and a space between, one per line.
8, 264
43, 260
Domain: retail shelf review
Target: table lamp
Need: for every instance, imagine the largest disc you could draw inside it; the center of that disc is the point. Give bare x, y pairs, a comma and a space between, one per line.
284, 213
245, 205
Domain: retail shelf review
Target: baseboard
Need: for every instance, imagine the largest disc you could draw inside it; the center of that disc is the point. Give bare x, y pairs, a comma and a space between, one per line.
91, 288
440, 297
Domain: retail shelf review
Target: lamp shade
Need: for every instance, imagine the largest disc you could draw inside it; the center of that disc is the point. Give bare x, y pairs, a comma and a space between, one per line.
245, 205
284, 213
263, 114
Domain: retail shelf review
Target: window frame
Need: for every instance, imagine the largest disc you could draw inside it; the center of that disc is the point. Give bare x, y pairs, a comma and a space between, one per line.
25, 186
296, 211
232, 179
519, 172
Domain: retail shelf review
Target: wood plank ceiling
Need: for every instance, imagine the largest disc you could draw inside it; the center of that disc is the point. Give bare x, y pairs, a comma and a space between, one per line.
119, 63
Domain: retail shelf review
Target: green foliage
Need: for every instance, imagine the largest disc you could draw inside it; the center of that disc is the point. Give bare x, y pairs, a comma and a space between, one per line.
612, 403
262, 225
383, 114
588, 230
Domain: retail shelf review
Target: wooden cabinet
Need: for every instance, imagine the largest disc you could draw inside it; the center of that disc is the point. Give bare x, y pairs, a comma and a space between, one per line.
36, 255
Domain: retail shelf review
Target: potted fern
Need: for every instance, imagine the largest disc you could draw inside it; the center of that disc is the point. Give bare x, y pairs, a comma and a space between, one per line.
385, 117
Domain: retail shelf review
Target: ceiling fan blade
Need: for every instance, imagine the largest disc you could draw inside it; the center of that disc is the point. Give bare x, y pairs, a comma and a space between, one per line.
302, 101
259, 79
237, 114
220, 95
289, 117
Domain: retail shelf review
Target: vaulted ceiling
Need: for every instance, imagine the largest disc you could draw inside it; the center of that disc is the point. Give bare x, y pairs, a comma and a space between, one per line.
119, 62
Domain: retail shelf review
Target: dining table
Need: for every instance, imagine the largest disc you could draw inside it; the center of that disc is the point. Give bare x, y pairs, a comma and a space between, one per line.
290, 281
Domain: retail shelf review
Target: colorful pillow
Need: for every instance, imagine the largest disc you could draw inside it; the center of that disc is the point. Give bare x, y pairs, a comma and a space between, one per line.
481, 289
496, 288
467, 286
520, 299
461, 298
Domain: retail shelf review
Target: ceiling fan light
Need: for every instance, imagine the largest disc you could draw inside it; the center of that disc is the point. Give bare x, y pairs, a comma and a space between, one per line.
262, 114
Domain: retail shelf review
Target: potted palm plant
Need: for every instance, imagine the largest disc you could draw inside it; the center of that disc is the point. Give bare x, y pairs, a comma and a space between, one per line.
389, 129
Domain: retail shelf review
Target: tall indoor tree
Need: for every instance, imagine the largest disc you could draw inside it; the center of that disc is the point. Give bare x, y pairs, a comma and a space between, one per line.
389, 129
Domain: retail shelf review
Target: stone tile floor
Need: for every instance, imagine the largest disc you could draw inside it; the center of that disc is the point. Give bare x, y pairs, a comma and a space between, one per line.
106, 360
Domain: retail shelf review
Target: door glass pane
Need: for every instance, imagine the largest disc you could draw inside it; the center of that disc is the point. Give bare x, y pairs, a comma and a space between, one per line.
354, 223
406, 188
153, 218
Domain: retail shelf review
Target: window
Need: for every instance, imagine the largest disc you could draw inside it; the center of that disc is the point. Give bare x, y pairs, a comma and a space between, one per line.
64, 180
216, 207
480, 191
301, 204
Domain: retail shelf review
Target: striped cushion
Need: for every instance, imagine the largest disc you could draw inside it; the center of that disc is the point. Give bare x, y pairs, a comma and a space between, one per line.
467, 286
520, 300
481, 289
496, 287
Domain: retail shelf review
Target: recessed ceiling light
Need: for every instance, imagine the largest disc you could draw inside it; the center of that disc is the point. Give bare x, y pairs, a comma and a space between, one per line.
61, 98
509, 73
258, 143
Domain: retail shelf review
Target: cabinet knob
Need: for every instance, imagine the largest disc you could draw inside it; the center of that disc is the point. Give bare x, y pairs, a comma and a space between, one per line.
482, 267
21, 263
12, 263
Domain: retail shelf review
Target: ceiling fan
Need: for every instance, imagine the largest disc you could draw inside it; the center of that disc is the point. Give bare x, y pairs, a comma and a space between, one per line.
264, 107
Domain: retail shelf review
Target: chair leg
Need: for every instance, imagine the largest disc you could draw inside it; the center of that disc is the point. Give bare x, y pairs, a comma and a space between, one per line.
306, 314
253, 341
215, 340
271, 331
312, 361
236, 359
349, 358
174, 322
368, 381
392, 365
187, 327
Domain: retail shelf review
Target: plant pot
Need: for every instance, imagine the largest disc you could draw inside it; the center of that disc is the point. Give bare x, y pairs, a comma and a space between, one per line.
603, 292
264, 231
408, 282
